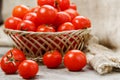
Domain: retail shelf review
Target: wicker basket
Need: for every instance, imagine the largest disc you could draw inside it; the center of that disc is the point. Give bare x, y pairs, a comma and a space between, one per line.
35, 44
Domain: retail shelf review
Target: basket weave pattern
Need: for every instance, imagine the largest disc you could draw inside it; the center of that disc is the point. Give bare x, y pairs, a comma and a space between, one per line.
35, 44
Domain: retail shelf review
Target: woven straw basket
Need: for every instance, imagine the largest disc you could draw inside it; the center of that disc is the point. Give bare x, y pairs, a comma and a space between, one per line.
35, 44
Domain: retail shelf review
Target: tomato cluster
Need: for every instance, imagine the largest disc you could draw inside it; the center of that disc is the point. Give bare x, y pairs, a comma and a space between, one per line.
74, 60
47, 16
15, 61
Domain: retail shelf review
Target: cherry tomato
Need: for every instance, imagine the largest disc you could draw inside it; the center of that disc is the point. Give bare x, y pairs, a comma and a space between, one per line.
66, 26
11, 60
28, 69
32, 17
45, 28
26, 25
61, 18
46, 2
0, 62
52, 59
81, 22
75, 60
20, 10
62, 4
47, 14
35, 9
73, 13
73, 6
12, 22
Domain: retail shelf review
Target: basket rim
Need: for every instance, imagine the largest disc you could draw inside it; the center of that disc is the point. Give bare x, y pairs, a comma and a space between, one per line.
31, 32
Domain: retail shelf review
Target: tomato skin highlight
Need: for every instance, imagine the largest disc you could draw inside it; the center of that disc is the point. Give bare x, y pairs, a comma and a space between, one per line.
62, 4
66, 26
81, 22
11, 60
46, 2
47, 14
28, 69
73, 13
75, 60
20, 10
31, 16
12, 22
45, 28
26, 25
52, 59
61, 18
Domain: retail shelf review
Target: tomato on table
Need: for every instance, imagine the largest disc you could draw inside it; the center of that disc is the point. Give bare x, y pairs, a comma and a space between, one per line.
11, 60
28, 69
52, 59
75, 60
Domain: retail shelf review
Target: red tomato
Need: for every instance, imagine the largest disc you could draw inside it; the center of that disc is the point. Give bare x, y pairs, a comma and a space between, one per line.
66, 26
75, 60
47, 14
62, 4
11, 60
52, 59
12, 22
28, 69
35, 9
73, 13
26, 25
61, 18
45, 28
0, 63
32, 17
19, 11
45, 2
73, 6
81, 22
